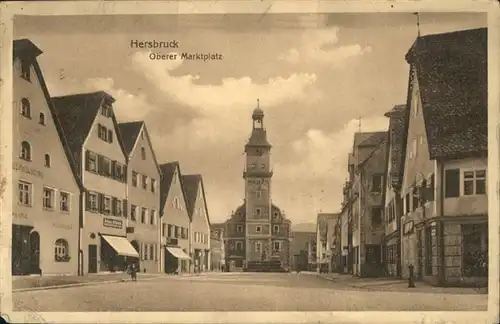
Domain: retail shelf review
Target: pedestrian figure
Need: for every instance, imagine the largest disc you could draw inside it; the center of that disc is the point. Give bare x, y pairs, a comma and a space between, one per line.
133, 272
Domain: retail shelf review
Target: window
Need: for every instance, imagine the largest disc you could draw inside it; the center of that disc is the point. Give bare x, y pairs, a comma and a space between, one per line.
415, 148
110, 136
144, 182
277, 246
91, 161
151, 252
258, 212
25, 151
25, 108
93, 202
407, 203
475, 250
107, 205
474, 182
26, 70
102, 132
106, 110
142, 135
144, 213
239, 228
452, 183
417, 105
134, 179
118, 171
170, 230
252, 166
47, 160
430, 188
415, 199
25, 193
258, 247
152, 219
258, 194
163, 229
118, 207
133, 212
146, 251
48, 198
61, 250
143, 153
239, 246
64, 202
276, 229
376, 216
258, 229
105, 167
41, 119
153, 185
377, 183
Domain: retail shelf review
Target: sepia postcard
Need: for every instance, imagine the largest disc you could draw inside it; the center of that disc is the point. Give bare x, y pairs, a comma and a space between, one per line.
249, 161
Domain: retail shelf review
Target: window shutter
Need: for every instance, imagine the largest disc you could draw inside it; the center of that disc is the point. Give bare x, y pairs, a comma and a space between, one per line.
100, 167
142, 251
87, 160
114, 172
100, 203
124, 175
125, 211
110, 136
452, 183
114, 202
87, 200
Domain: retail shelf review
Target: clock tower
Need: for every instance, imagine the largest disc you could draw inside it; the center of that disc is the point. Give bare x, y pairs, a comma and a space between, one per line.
257, 175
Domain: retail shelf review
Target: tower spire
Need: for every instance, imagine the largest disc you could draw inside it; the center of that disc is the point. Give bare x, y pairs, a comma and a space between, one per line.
418, 23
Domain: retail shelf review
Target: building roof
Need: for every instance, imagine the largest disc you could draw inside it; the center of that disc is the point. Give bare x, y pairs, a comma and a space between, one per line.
258, 138
451, 71
396, 135
168, 171
25, 48
191, 184
78, 113
130, 132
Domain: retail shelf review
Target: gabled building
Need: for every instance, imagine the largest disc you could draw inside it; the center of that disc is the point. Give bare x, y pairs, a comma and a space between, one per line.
217, 251
392, 192
368, 164
445, 222
175, 222
200, 223
300, 249
90, 127
46, 209
143, 195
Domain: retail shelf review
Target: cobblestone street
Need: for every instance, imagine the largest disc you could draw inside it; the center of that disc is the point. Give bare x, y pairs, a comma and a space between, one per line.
241, 292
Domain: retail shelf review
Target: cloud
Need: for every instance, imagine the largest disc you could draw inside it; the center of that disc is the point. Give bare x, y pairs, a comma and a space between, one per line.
221, 107
324, 155
321, 45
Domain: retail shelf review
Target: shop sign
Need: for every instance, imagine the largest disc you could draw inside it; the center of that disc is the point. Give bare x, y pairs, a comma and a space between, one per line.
27, 170
113, 223
19, 215
63, 226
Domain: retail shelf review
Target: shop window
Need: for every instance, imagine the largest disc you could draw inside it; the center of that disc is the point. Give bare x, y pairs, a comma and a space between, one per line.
25, 151
475, 250
61, 251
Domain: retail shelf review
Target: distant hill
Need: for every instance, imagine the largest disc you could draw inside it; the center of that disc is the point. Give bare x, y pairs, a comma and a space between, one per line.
304, 227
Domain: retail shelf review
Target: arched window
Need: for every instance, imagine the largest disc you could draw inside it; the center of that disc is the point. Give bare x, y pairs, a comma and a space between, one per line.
41, 119
47, 160
61, 250
25, 108
26, 151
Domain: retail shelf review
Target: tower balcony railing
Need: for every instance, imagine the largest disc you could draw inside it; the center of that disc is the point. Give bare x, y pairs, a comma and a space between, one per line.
257, 173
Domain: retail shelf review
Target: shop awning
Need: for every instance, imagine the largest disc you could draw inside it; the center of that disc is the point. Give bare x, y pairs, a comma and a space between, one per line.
121, 245
178, 253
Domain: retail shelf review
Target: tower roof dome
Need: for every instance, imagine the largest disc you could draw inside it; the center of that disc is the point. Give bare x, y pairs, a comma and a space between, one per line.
257, 112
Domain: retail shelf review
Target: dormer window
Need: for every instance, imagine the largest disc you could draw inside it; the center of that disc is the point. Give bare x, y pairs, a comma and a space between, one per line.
106, 110
26, 70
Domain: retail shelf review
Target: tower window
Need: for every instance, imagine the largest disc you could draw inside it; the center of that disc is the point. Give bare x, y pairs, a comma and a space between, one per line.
258, 212
258, 229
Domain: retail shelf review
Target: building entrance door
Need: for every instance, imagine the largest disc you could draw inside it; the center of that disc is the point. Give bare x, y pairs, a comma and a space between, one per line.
35, 253
92, 258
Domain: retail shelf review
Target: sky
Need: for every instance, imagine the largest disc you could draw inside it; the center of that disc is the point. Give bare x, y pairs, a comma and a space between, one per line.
319, 78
